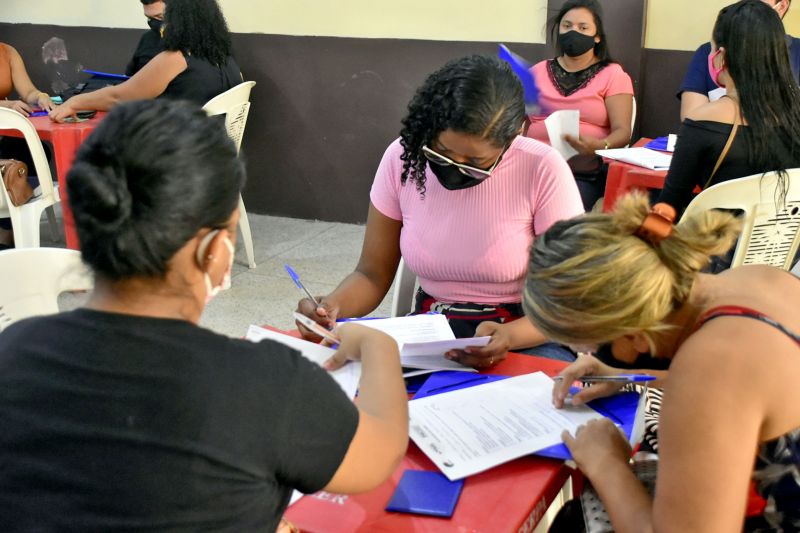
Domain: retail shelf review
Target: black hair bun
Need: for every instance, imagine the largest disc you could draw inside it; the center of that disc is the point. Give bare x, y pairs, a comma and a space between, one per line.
105, 203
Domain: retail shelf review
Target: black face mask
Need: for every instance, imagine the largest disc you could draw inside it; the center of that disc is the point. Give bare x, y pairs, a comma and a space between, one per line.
154, 24
451, 178
574, 43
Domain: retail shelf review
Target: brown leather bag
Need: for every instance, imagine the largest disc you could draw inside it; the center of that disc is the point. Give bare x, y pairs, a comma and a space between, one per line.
15, 180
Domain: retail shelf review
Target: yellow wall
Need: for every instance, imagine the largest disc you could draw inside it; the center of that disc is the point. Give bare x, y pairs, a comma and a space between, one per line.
686, 24
456, 20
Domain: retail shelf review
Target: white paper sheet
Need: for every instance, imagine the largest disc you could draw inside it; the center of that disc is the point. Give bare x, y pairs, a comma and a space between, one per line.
671, 140
471, 430
717, 93
643, 157
347, 377
560, 123
414, 328
424, 339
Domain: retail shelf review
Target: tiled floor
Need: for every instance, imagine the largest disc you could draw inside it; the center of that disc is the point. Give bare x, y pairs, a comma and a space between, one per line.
322, 253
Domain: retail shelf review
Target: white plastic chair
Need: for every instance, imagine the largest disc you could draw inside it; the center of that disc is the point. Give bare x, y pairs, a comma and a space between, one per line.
32, 278
405, 281
235, 105
25, 218
769, 237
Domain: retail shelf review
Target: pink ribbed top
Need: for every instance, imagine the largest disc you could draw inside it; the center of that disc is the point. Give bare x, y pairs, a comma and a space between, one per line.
472, 245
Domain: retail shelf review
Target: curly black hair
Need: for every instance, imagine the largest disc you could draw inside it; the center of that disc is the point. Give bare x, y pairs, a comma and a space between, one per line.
476, 95
197, 27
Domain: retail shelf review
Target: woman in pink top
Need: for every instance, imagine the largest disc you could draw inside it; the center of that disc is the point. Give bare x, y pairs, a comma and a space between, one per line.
583, 77
461, 196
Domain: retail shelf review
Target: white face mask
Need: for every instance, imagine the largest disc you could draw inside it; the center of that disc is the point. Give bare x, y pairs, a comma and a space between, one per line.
212, 291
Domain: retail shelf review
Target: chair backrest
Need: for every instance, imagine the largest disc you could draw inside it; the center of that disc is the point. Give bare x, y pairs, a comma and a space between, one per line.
771, 232
633, 114
32, 278
235, 105
405, 281
12, 120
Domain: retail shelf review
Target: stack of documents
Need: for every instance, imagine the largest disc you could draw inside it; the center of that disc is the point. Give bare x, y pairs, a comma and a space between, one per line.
347, 377
642, 157
424, 339
663, 144
470, 430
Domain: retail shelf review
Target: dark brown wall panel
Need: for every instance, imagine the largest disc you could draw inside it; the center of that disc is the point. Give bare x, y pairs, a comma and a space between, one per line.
325, 109
660, 112
322, 114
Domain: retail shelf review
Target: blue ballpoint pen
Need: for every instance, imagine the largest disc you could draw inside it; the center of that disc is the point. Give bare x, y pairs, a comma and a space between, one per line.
299, 284
619, 378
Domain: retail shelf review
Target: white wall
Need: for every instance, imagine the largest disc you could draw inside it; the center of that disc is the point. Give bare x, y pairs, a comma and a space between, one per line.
450, 20
686, 24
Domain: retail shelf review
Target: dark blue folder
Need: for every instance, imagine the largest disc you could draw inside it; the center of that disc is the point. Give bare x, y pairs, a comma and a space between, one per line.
621, 408
428, 493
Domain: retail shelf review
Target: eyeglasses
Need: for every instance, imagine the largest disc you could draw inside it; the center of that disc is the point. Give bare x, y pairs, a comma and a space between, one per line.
472, 172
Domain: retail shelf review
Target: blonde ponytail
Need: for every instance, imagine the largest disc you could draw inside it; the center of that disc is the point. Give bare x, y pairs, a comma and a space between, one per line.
591, 279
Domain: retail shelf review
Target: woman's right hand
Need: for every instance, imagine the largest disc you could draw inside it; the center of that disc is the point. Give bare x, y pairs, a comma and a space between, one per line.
586, 365
17, 105
353, 337
325, 315
65, 111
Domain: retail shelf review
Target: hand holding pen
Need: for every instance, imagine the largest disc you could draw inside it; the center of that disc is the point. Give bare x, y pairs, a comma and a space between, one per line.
317, 309
603, 379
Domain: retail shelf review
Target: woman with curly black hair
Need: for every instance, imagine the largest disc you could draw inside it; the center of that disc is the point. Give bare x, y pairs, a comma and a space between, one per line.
196, 65
479, 193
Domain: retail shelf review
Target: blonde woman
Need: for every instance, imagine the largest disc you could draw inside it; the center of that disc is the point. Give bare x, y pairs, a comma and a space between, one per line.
731, 397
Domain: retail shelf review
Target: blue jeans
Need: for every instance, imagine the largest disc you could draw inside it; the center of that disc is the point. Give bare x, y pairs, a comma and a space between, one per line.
550, 350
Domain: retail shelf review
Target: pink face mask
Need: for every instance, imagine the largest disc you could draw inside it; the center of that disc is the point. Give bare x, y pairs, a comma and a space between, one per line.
713, 71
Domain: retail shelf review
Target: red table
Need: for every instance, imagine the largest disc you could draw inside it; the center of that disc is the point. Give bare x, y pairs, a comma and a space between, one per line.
624, 177
65, 140
510, 497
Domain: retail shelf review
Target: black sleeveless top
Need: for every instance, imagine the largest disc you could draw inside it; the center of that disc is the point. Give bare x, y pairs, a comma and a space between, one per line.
202, 81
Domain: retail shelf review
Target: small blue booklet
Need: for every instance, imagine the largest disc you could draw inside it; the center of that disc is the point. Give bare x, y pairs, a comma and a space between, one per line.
620, 408
428, 493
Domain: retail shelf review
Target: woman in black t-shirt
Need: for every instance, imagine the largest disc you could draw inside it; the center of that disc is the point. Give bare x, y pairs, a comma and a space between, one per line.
125, 415
750, 60
197, 63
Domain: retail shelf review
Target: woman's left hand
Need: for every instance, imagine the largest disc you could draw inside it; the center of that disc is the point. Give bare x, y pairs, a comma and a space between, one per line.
484, 356
597, 444
44, 102
584, 144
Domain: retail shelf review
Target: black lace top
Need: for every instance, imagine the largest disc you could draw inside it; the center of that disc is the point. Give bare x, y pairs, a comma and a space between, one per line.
568, 82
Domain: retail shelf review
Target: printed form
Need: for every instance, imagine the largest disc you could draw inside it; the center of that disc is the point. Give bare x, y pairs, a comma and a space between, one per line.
347, 377
471, 430
424, 339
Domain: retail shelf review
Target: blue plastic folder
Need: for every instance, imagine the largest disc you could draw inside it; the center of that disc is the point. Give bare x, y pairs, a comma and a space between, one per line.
428, 493
522, 69
621, 408
659, 143
106, 75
